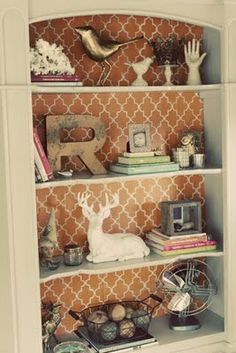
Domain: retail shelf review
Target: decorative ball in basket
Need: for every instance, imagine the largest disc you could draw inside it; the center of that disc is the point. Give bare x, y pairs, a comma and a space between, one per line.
113, 322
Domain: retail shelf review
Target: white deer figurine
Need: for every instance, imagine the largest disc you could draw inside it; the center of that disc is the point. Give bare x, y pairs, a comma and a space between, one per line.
104, 246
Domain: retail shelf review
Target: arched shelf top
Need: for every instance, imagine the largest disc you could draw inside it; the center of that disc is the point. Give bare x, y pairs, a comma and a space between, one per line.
120, 25
205, 13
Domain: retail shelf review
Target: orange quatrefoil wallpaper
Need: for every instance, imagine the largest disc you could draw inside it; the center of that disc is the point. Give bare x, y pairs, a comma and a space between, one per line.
137, 212
168, 113
120, 28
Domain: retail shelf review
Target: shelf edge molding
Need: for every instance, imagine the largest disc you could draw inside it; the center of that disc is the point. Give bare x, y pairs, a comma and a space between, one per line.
85, 178
46, 88
109, 267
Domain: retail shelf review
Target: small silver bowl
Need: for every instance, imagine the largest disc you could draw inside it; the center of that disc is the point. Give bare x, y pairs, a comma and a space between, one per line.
71, 347
73, 255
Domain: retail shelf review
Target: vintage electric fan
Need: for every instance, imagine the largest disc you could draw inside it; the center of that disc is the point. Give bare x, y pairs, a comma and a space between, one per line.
188, 288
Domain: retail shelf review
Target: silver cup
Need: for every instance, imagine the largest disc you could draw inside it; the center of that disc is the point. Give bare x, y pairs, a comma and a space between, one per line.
199, 160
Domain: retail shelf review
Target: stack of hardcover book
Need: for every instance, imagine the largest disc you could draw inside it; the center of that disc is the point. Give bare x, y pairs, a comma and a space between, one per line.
171, 245
142, 163
43, 170
57, 80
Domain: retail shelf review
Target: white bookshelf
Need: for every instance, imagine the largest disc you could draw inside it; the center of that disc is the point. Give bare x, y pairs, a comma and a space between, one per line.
212, 330
20, 308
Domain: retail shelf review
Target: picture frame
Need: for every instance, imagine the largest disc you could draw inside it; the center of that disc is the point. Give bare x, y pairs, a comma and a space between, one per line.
139, 138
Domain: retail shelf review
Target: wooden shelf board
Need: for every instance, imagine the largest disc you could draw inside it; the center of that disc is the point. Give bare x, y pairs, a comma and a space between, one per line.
85, 178
211, 331
112, 266
50, 88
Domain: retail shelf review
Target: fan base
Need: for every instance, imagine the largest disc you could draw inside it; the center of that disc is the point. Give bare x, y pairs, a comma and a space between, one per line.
189, 323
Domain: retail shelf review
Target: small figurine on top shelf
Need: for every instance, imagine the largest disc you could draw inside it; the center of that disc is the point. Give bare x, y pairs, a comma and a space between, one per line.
167, 52
140, 68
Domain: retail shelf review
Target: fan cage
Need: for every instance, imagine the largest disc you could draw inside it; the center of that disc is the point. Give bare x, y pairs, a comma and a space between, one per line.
199, 283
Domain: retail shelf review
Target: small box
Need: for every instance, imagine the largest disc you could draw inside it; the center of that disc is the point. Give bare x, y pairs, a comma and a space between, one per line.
181, 217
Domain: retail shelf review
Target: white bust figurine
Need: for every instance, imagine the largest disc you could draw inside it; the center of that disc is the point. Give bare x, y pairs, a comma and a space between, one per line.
193, 60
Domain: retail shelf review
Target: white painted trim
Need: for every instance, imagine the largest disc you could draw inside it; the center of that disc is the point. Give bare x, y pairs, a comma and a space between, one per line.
29, 341
8, 302
124, 11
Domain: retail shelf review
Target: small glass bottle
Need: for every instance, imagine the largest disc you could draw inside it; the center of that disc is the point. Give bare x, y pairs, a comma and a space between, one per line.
72, 255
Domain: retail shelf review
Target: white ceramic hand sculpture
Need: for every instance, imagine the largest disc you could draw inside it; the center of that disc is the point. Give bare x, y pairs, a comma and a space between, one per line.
193, 60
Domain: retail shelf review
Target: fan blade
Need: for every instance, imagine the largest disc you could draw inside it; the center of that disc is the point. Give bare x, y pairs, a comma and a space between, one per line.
179, 302
172, 281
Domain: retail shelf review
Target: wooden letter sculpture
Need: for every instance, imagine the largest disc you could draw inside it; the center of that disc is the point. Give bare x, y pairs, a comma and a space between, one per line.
84, 149
109, 247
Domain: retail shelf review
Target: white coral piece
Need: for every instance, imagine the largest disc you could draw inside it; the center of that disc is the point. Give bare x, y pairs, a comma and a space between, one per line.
48, 58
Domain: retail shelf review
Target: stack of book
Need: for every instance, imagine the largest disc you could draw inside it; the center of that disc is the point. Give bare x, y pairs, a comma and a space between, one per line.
142, 163
57, 80
43, 170
166, 245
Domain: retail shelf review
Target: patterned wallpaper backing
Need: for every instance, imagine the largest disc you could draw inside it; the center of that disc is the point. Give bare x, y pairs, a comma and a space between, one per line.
120, 28
138, 212
168, 113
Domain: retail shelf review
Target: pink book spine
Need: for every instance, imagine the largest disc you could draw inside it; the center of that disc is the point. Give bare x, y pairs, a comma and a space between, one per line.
42, 154
189, 246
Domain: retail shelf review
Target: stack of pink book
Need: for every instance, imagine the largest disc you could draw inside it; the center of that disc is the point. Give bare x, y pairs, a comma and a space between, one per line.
43, 170
166, 245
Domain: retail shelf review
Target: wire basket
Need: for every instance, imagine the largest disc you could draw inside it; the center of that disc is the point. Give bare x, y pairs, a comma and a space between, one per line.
116, 322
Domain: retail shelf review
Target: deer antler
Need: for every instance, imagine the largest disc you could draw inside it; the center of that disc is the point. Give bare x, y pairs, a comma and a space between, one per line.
110, 204
83, 202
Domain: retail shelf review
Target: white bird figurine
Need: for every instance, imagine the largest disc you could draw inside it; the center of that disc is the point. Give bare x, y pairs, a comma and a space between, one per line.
140, 68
